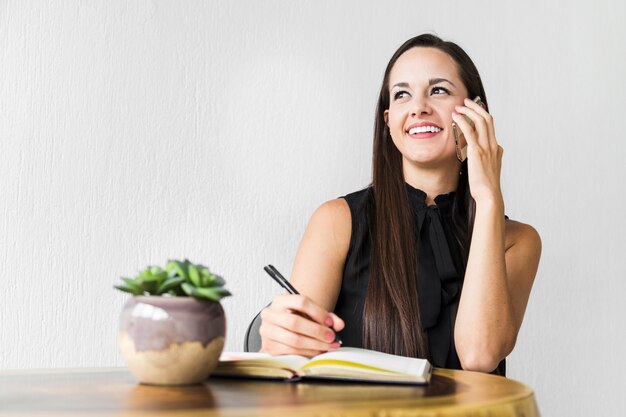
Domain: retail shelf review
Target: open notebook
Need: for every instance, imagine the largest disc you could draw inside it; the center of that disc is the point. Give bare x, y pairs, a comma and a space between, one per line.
349, 364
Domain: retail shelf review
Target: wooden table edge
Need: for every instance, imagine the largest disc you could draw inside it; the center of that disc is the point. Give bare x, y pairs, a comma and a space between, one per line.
520, 402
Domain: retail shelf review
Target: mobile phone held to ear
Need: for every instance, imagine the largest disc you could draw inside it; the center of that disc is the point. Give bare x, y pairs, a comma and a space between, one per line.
461, 153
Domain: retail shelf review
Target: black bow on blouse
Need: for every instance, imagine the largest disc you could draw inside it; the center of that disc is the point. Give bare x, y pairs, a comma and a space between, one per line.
436, 296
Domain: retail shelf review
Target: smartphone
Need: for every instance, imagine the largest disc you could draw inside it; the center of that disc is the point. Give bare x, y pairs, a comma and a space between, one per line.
461, 153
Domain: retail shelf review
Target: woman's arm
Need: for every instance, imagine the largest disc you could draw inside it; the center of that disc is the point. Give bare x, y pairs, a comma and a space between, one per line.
317, 275
502, 264
503, 258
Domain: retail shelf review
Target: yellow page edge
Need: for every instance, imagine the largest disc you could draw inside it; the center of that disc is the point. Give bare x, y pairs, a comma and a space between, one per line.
348, 364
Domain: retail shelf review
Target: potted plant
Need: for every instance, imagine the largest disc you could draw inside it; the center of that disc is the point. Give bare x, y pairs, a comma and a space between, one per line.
172, 330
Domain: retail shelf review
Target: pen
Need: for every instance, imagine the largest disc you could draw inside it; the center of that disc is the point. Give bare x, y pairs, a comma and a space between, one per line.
282, 281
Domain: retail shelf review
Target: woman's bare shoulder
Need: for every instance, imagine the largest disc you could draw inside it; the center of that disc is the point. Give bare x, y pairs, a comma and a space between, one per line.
318, 267
334, 215
337, 207
522, 235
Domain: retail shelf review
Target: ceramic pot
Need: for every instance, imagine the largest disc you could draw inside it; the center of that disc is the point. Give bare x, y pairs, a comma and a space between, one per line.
171, 340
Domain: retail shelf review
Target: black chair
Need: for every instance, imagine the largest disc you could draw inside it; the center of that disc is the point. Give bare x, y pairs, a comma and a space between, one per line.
252, 341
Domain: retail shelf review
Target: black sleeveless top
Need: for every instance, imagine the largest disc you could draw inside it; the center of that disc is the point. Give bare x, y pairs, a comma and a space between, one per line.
439, 281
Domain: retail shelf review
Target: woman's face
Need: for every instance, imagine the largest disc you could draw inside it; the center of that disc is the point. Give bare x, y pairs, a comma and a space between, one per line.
424, 87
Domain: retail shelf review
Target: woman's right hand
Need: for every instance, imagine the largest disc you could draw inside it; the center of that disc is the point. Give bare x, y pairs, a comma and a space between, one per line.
296, 325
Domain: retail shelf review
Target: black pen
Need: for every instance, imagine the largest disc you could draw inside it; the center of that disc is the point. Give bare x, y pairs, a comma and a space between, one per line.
282, 281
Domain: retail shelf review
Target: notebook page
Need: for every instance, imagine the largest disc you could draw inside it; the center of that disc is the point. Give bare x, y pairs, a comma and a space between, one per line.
258, 358
399, 364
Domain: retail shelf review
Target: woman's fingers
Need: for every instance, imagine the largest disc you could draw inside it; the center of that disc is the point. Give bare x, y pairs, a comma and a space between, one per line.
301, 326
277, 348
479, 134
338, 324
484, 153
295, 324
302, 305
468, 132
296, 340
482, 120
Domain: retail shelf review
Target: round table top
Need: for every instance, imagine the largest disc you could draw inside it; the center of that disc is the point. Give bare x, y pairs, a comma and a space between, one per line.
108, 391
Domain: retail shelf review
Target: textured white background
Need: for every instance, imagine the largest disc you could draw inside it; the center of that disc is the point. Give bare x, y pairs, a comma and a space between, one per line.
136, 131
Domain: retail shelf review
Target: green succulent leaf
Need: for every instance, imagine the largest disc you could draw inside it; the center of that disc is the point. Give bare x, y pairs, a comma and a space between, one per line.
188, 288
178, 278
178, 267
211, 280
131, 283
216, 281
169, 284
204, 281
213, 293
194, 275
126, 288
152, 274
205, 276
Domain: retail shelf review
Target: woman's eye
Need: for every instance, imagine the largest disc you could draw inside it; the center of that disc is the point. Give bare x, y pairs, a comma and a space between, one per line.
400, 94
439, 90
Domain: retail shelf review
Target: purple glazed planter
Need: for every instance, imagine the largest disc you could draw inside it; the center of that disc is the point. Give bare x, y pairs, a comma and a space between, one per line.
171, 340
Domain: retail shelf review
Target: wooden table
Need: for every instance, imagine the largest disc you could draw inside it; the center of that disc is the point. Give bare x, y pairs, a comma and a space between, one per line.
113, 391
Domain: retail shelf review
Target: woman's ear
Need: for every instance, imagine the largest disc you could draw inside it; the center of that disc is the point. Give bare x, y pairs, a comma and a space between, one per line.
386, 117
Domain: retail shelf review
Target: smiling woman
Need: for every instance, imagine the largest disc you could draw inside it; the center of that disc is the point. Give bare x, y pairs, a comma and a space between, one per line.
423, 262
416, 91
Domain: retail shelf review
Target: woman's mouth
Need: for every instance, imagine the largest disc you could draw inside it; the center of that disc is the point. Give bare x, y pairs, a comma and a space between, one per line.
424, 131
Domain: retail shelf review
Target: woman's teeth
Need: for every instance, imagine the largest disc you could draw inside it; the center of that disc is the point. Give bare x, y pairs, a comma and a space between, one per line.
424, 129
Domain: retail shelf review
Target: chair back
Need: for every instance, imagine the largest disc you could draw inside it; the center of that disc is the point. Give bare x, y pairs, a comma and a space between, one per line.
252, 341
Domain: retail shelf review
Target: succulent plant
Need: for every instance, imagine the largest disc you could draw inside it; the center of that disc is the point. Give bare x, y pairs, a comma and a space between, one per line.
178, 278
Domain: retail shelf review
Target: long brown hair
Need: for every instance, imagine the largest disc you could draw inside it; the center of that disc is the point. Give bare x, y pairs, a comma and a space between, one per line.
392, 288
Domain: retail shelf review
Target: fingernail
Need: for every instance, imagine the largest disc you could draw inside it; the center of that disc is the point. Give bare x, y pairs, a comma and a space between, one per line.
467, 100
329, 322
330, 336
335, 345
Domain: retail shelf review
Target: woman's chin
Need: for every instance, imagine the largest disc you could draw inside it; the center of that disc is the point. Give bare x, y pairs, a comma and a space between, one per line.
427, 159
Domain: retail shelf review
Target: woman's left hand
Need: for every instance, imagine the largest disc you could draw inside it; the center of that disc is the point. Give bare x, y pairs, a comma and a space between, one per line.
484, 155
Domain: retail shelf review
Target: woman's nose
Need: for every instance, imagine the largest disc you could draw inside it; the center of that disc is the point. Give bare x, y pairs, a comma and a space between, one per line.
420, 106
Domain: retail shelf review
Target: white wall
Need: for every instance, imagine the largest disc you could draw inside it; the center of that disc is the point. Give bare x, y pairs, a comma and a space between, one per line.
136, 131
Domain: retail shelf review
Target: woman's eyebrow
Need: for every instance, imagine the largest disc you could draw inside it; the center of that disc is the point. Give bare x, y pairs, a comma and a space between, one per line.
404, 85
431, 81
434, 81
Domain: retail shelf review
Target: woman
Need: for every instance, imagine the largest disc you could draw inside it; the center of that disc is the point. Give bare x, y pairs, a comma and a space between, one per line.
384, 266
